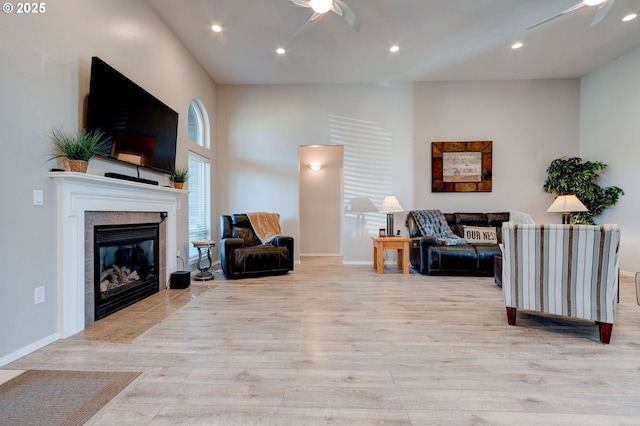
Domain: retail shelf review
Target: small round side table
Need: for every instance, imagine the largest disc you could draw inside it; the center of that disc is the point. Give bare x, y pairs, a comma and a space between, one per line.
204, 274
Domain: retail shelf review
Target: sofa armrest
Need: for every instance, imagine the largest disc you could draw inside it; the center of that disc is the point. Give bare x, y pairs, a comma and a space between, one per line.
227, 245
285, 241
282, 240
419, 252
231, 243
425, 242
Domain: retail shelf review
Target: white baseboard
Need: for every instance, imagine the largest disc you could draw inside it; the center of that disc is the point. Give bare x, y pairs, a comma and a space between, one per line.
357, 262
28, 349
627, 273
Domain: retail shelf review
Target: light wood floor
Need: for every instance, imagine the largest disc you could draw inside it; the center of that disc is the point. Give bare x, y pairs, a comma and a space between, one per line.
334, 344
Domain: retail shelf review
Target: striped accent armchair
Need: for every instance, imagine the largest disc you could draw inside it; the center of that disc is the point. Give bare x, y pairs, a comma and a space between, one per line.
567, 270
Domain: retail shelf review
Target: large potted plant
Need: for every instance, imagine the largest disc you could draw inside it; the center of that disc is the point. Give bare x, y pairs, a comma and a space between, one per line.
179, 176
572, 175
79, 148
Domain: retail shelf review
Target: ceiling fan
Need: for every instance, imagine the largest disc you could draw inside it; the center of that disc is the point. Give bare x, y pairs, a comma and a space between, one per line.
603, 8
321, 7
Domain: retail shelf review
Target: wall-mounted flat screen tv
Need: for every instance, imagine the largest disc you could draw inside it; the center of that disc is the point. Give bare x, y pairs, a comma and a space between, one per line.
140, 128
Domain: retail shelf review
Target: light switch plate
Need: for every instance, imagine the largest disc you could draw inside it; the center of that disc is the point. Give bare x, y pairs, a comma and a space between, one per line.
38, 197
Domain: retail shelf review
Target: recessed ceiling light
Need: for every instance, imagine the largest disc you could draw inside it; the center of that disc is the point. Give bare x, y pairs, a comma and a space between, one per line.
517, 45
280, 51
217, 28
394, 49
629, 17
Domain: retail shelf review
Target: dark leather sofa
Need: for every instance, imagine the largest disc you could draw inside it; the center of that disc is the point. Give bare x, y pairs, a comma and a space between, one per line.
427, 257
242, 255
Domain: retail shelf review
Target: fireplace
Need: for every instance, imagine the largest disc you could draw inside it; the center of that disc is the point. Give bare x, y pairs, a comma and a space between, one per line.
85, 201
126, 265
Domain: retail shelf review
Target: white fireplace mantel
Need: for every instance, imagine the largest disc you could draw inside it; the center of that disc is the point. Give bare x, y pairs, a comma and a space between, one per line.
78, 193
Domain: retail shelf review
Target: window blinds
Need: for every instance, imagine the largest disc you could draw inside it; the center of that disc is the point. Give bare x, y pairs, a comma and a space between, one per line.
199, 202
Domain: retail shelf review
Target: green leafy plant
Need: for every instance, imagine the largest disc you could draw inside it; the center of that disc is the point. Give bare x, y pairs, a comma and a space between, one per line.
572, 175
179, 174
82, 146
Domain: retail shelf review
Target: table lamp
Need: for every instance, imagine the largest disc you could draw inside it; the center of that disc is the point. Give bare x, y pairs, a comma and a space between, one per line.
390, 205
567, 204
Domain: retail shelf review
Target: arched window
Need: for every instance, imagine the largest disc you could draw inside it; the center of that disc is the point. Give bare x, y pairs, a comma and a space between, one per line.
199, 177
198, 124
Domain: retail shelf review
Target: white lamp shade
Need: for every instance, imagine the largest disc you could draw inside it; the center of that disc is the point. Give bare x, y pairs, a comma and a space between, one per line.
567, 204
361, 205
391, 205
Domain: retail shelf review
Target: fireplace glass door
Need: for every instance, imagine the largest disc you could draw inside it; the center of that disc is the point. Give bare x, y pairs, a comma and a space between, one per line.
126, 265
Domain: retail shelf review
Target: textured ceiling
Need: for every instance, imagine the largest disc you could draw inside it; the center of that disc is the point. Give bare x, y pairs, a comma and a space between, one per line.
439, 40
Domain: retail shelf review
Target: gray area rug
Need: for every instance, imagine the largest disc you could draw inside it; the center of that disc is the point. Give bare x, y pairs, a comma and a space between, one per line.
44, 397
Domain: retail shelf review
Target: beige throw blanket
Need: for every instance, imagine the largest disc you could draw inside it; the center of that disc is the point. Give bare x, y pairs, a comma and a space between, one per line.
265, 225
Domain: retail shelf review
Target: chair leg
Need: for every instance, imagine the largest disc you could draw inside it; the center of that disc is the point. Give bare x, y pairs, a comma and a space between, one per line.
511, 315
605, 331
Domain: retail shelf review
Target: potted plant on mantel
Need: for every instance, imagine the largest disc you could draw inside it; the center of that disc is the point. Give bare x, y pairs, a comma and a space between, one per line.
179, 176
79, 148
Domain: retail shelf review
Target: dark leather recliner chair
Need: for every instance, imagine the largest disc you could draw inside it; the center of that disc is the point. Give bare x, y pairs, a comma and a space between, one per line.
427, 257
243, 255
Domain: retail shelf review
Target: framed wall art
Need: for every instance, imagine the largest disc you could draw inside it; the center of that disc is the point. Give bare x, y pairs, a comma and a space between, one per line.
461, 166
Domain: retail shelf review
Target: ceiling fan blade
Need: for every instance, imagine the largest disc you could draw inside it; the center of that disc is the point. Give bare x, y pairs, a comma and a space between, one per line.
300, 3
564, 12
310, 23
602, 12
347, 14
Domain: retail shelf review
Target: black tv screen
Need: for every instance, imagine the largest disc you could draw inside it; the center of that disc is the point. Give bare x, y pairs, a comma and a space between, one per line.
140, 128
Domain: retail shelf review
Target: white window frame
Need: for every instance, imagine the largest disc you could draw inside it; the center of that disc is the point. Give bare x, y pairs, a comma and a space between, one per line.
200, 224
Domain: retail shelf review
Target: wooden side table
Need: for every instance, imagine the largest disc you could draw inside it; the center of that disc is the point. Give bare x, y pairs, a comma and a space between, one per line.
380, 244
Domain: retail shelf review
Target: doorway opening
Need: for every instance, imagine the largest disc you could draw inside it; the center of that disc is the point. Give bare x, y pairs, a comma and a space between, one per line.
321, 200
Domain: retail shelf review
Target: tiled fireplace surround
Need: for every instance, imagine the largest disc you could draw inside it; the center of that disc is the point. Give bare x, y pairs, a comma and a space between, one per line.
85, 200
92, 219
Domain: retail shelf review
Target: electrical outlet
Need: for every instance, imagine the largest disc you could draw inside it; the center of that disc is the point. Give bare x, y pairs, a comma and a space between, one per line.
38, 295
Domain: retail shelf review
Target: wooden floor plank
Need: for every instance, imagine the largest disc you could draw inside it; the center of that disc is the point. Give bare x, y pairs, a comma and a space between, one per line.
340, 344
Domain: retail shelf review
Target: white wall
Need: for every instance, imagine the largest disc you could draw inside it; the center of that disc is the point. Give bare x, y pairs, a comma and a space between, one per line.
610, 132
261, 127
44, 81
530, 123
